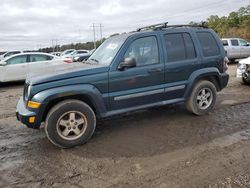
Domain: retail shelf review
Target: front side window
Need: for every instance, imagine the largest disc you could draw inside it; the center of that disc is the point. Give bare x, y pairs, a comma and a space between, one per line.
234, 42
208, 44
243, 42
38, 57
17, 60
144, 51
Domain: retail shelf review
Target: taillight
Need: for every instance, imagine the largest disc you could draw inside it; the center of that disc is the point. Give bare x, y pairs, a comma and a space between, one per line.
68, 60
225, 64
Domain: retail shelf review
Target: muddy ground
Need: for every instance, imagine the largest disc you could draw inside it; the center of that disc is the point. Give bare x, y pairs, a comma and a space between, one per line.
160, 147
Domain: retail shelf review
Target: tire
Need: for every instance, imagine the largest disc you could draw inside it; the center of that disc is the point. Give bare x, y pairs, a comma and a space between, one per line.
246, 80
70, 123
200, 102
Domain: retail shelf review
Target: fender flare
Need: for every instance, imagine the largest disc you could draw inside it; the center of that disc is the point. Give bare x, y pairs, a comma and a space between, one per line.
198, 75
88, 90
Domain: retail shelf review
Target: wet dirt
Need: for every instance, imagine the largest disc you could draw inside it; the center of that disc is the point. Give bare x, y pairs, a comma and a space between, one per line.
159, 147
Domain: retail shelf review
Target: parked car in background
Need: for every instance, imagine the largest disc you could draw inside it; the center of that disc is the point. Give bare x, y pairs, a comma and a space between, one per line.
243, 70
66, 52
56, 53
128, 72
83, 57
236, 48
77, 52
10, 53
17, 67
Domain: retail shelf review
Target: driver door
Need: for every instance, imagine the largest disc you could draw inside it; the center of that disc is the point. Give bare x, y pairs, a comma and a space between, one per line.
140, 85
244, 48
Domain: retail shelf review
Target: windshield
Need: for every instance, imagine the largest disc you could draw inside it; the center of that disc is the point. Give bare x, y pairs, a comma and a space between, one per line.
107, 51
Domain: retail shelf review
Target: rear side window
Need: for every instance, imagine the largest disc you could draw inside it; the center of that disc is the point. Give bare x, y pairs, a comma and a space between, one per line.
208, 44
38, 57
179, 47
189, 45
234, 42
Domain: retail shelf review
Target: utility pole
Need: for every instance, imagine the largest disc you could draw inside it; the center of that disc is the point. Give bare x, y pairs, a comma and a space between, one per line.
101, 31
94, 35
52, 41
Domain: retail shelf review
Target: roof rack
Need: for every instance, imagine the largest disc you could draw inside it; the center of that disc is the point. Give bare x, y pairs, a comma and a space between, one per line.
165, 25
154, 27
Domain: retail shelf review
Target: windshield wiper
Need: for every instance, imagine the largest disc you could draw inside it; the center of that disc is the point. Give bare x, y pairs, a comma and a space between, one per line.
94, 60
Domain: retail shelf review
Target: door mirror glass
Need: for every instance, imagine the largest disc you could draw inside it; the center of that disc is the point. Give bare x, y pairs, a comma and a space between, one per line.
128, 63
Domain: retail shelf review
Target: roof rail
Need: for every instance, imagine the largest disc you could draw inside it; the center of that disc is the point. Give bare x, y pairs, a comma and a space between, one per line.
165, 25
155, 26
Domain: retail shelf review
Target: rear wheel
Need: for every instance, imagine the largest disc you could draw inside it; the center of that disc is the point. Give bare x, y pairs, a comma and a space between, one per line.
202, 98
70, 123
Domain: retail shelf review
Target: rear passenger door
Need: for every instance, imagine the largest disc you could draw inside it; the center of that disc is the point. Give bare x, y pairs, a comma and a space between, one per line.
180, 61
244, 48
39, 62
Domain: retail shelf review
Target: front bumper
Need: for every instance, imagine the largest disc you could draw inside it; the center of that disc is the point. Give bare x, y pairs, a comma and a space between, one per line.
23, 115
239, 72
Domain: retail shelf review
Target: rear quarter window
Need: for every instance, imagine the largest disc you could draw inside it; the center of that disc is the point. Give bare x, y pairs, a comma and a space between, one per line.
208, 44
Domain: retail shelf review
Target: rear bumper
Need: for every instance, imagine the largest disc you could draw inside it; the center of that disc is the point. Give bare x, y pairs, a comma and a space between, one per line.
224, 77
23, 115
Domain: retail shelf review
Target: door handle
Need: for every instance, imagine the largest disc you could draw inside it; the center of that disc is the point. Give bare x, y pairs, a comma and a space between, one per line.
156, 70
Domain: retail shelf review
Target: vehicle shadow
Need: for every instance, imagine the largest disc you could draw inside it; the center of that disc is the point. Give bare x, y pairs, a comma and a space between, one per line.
11, 84
151, 132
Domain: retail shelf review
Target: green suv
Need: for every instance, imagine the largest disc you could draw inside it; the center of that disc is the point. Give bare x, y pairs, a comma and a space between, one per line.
153, 66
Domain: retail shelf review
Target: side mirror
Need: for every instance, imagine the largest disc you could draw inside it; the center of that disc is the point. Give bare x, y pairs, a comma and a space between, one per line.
128, 63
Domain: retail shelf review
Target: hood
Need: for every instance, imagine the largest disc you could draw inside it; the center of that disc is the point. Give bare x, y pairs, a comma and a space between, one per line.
66, 71
245, 61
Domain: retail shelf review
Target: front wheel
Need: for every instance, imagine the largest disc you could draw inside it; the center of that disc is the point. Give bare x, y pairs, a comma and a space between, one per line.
70, 123
202, 98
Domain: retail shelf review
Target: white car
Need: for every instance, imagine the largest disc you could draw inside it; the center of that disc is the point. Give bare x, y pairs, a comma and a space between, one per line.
243, 70
10, 53
17, 67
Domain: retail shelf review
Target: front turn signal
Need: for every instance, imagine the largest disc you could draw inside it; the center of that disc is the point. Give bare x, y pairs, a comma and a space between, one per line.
32, 104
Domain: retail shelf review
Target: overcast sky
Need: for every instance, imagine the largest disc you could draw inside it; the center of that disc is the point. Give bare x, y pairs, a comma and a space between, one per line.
29, 24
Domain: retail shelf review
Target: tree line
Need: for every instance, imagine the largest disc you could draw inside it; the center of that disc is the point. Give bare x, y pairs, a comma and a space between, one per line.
236, 24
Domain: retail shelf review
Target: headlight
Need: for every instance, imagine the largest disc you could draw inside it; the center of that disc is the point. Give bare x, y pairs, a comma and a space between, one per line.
27, 89
76, 58
242, 66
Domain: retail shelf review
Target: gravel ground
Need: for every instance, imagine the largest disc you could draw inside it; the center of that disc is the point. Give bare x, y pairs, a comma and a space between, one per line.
159, 147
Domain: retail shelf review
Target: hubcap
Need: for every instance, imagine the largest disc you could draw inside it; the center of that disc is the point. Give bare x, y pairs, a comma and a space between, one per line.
71, 125
204, 98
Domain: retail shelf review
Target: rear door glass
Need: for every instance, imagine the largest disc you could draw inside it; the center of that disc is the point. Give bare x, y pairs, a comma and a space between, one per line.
234, 42
179, 46
39, 57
